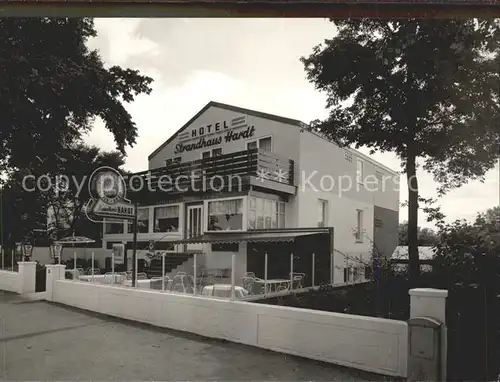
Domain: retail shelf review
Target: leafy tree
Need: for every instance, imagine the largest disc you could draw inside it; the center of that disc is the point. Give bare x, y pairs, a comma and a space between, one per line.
27, 205
492, 215
426, 90
21, 212
76, 165
426, 236
53, 87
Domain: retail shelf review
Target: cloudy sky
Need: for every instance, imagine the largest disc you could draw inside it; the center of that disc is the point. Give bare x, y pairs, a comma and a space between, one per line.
252, 63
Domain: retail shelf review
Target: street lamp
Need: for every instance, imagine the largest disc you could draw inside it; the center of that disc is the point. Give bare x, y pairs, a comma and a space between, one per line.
1, 226
47, 230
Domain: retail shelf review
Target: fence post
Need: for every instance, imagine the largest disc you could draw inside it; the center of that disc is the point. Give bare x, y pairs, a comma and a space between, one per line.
265, 272
427, 303
74, 263
92, 267
194, 273
291, 271
54, 272
233, 266
313, 268
113, 268
163, 272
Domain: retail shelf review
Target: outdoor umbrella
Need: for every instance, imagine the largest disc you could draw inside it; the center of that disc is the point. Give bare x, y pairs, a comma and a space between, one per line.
74, 240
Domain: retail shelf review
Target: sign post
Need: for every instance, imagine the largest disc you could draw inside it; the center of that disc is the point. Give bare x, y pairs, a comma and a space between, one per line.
108, 193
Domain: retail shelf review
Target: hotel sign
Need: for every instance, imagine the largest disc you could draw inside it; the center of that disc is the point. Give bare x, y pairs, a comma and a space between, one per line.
209, 135
108, 193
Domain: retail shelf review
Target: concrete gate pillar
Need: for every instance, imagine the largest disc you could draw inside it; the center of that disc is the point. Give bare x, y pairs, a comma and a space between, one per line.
54, 272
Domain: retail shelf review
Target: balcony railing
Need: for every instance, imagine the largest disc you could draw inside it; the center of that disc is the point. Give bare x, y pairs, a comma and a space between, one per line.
226, 168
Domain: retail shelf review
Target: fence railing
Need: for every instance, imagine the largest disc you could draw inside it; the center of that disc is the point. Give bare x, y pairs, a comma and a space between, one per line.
228, 168
191, 273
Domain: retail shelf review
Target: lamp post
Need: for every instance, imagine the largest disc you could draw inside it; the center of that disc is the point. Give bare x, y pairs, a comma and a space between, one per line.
40, 230
1, 226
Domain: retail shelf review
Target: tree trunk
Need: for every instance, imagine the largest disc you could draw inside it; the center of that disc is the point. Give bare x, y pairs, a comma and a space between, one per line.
411, 175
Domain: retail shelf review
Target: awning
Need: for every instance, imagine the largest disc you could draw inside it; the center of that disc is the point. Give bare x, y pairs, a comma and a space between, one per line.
248, 236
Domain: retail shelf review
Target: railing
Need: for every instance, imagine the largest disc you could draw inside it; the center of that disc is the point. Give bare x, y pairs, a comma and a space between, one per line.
227, 168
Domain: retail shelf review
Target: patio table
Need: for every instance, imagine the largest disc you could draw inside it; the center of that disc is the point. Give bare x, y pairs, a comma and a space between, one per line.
223, 290
271, 284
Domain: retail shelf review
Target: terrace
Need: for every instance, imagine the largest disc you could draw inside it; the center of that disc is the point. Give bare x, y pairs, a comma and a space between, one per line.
236, 171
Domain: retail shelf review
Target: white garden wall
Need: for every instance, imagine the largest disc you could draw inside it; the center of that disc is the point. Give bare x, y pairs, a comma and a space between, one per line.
371, 344
22, 281
10, 281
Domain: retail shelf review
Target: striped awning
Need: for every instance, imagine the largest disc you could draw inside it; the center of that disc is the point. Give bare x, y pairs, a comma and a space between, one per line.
248, 236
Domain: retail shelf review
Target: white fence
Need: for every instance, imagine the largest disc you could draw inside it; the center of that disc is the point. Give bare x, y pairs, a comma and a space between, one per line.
22, 281
366, 343
10, 281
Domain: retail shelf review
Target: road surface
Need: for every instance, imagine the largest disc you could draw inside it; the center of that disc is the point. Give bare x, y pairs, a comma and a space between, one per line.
43, 341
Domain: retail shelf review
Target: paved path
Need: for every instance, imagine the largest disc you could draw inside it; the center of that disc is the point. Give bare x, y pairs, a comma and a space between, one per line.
43, 341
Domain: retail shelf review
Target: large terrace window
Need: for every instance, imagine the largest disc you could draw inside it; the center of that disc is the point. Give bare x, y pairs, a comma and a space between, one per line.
113, 227
225, 215
142, 221
166, 219
265, 213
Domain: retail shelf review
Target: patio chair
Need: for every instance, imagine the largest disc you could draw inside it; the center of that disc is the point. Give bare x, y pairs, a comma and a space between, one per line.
247, 283
297, 281
142, 276
259, 286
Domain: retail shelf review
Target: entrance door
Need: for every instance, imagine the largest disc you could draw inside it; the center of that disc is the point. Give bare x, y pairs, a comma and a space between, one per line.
194, 225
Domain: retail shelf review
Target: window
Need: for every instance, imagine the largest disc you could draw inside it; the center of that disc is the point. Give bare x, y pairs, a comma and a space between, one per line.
166, 219
265, 144
347, 274
322, 213
265, 213
142, 221
261, 144
359, 226
173, 160
225, 247
225, 215
252, 145
359, 171
355, 274
113, 226
211, 153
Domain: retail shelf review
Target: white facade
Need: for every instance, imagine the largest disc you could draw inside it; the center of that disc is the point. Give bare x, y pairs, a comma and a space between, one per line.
319, 196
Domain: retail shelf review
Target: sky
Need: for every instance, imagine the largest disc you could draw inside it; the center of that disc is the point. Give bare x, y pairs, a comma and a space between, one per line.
251, 63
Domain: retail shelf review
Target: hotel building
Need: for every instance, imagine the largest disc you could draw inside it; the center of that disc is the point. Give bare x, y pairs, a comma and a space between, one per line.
233, 180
